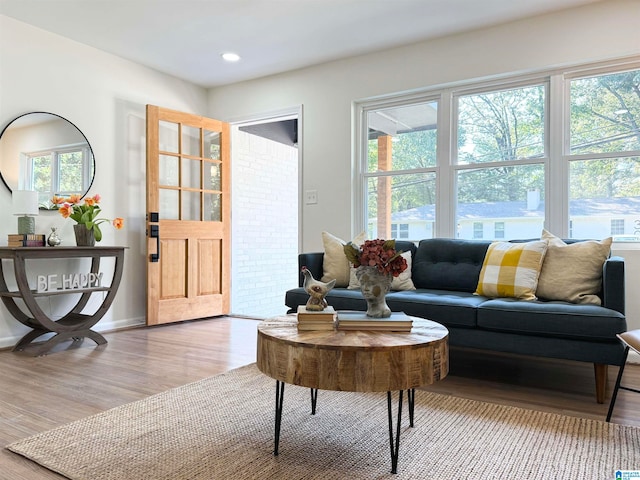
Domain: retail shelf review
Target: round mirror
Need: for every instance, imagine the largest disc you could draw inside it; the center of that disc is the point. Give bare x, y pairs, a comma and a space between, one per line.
47, 153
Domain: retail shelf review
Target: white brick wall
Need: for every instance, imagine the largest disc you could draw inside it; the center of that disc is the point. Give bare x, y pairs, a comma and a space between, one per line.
264, 225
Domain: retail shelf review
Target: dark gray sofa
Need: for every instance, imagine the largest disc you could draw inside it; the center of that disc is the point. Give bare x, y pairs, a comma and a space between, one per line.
445, 273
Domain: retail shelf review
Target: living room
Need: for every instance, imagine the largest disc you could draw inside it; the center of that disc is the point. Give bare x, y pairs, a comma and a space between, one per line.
106, 96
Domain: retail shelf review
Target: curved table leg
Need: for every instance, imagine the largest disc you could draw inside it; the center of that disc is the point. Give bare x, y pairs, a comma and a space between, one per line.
42, 348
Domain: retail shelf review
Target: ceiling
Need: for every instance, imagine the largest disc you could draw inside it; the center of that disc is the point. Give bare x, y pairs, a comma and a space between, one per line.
185, 38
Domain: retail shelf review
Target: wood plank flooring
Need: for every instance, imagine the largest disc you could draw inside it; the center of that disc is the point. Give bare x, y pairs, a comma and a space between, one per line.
37, 394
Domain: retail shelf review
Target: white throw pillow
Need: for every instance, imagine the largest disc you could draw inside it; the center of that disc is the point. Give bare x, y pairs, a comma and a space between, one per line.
335, 264
573, 272
401, 282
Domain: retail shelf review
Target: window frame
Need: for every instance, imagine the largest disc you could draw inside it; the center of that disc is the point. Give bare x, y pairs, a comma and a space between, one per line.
55, 154
556, 160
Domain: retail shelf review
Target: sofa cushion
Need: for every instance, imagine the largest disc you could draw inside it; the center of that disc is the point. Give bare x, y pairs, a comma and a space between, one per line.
448, 264
450, 308
334, 263
511, 270
401, 282
555, 319
573, 272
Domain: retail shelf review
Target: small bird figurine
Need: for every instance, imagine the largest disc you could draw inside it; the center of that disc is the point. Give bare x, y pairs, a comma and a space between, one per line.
317, 291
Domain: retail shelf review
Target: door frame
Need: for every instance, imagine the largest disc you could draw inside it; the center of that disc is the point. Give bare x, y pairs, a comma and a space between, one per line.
274, 116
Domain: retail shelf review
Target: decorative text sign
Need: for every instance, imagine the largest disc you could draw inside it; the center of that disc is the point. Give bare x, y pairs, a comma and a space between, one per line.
71, 281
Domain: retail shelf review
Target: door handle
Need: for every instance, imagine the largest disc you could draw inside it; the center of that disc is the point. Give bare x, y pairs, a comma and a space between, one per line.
154, 232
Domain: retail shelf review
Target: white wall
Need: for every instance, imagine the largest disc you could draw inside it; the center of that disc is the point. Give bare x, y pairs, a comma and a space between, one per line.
105, 97
600, 31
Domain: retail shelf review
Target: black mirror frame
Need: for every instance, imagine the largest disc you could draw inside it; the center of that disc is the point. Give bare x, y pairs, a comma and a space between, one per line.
93, 157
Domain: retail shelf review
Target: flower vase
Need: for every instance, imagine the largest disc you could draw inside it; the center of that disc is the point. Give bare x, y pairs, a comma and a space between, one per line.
374, 286
84, 236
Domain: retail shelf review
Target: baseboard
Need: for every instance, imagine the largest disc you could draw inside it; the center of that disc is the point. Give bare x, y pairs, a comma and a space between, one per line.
104, 327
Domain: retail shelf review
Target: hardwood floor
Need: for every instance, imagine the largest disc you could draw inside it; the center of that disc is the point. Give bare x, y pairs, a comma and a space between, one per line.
37, 394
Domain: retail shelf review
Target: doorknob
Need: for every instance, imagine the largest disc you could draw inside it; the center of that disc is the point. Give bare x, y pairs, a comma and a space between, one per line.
154, 232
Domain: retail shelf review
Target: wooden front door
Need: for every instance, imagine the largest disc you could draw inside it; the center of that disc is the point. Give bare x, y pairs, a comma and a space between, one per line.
188, 216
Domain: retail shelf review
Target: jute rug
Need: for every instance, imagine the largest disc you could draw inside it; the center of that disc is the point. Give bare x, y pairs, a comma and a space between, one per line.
222, 428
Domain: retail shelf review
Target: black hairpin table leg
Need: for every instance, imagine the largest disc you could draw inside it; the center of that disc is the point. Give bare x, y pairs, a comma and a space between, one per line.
411, 397
279, 401
314, 400
394, 444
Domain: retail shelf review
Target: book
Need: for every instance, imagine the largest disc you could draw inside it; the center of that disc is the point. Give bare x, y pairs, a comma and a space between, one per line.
26, 240
355, 320
326, 315
309, 320
304, 327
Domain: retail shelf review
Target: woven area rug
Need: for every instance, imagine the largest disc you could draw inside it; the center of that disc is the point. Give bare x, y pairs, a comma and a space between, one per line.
222, 428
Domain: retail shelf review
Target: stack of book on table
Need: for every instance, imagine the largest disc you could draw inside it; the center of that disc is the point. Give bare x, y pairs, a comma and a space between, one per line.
352, 320
313, 320
26, 240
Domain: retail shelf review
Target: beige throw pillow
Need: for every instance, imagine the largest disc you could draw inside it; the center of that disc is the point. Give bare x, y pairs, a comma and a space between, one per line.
335, 264
401, 282
573, 272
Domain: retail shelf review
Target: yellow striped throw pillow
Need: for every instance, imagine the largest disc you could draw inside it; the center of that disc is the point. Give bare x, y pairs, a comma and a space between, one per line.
511, 270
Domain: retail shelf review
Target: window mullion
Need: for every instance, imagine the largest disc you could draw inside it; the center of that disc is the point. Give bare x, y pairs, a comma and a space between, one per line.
445, 179
557, 167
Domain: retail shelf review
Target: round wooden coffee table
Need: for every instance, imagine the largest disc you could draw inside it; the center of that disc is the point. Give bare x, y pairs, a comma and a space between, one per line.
353, 361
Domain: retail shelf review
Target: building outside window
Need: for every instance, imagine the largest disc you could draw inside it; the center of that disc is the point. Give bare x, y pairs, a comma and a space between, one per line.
617, 227
478, 230
400, 230
452, 158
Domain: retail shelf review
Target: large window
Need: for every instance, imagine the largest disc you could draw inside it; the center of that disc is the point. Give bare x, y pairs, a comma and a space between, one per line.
401, 170
548, 151
603, 155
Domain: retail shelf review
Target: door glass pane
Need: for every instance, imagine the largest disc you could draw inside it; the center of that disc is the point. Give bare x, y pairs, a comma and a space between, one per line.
501, 126
212, 207
168, 137
512, 196
401, 199
212, 180
190, 205
191, 141
169, 171
211, 145
169, 202
191, 173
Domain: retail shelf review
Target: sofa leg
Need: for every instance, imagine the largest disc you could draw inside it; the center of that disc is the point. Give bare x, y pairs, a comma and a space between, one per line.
601, 370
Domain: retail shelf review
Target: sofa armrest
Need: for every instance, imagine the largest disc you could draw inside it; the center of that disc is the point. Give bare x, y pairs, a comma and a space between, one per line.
613, 284
313, 262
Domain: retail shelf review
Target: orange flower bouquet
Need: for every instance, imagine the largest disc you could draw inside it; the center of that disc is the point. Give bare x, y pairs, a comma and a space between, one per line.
85, 213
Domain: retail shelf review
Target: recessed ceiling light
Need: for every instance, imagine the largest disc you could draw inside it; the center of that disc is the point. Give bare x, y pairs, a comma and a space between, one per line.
230, 57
